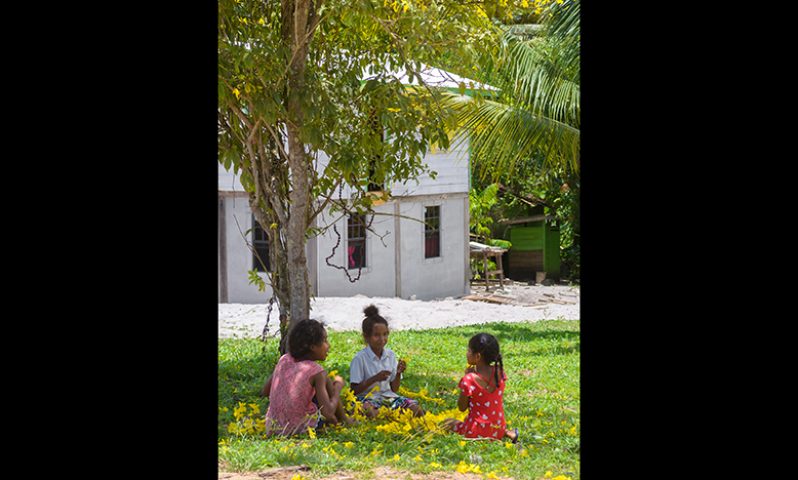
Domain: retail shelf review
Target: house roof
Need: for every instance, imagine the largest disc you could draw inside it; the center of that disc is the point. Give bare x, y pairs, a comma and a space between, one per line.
437, 77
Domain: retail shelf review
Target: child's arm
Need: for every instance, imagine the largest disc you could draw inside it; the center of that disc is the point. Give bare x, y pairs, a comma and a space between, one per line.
400, 367
267, 387
462, 402
358, 388
327, 404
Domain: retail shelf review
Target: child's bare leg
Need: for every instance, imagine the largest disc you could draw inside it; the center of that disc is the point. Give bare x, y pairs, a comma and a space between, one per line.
511, 434
340, 414
449, 423
369, 410
417, 410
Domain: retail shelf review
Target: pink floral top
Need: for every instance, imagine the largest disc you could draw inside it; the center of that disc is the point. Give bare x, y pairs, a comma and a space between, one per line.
291, 408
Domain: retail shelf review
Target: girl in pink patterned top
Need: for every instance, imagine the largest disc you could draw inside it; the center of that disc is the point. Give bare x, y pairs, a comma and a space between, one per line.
482, 388
300, 393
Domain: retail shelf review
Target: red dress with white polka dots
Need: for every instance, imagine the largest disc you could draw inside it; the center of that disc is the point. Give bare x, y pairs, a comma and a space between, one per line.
485, 409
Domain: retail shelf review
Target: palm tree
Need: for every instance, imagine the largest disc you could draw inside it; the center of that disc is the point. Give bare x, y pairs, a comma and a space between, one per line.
534, 111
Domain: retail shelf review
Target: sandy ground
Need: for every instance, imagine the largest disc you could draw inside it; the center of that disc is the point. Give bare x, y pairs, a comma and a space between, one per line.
519, 302
382, 473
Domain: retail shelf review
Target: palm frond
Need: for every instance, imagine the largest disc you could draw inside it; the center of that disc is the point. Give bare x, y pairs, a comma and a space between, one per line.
502, 135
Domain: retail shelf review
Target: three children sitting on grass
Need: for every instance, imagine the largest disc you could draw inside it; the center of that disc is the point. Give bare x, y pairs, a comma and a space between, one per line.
302, 395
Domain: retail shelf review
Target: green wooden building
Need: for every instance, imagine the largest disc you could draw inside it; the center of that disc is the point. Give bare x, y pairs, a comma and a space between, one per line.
536, 248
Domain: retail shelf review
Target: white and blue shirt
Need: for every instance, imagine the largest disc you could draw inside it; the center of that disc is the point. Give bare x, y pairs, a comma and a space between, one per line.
366, 364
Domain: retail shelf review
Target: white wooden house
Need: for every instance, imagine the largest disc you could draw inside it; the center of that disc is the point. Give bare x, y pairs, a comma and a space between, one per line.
409, 261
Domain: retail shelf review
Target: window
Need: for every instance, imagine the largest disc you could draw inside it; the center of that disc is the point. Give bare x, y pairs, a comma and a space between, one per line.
261, 243
356, 237
432, 231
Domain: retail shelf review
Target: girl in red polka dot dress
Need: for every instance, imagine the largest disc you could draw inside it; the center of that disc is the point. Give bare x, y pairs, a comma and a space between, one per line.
482, 388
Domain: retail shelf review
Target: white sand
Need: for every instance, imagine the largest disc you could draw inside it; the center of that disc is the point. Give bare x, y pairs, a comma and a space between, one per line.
346, 313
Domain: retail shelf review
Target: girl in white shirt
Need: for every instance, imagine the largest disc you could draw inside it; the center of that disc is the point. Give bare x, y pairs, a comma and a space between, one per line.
375, 370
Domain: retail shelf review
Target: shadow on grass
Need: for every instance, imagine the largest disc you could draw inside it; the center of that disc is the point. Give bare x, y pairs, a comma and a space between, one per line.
508, 333
241, 378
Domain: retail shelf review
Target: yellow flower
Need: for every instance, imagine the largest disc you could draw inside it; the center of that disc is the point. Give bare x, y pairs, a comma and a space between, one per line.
492, 476
435, 465
462, 443
572, 431
396, 458
348, 444
332, 373
524, 453
508, 444
548, 474
298, 476
254, 408
261, 21
237, 92
312, 433
417, 458
561, 477
305, 445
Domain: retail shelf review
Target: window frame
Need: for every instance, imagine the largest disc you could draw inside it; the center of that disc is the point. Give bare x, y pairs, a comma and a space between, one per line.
363, 239
424, 231
259, 244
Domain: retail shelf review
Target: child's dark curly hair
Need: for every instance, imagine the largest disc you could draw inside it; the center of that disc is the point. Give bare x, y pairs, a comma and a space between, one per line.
486, 345
304, 335
372, 317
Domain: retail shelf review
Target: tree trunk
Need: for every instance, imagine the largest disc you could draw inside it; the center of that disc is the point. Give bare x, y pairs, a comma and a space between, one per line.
298, 38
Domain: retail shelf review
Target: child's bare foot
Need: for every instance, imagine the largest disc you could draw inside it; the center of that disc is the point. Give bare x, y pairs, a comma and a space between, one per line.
349, 421
449, 423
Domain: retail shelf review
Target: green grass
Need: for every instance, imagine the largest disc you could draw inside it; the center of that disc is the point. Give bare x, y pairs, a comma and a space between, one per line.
541, 360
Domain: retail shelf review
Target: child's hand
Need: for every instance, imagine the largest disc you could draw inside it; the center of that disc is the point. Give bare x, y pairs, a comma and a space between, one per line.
337, 378
382, 376
401, 367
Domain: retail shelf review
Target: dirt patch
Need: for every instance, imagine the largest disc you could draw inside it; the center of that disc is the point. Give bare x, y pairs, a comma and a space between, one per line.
382, 473
519, 293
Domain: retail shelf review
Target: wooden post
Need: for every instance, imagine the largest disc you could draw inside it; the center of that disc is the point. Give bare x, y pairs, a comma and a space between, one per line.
485, 266
501, 270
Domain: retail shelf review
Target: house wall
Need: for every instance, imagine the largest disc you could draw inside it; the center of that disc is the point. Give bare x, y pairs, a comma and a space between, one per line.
438, 277
452, 177
378, 278
452, 174
239, 256
425, 278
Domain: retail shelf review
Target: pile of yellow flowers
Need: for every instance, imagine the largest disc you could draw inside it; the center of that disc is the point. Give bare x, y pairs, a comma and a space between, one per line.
250, 421
245, 424
402, 422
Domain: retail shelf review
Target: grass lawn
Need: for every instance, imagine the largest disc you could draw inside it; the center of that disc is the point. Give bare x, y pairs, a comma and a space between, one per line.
541, 360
